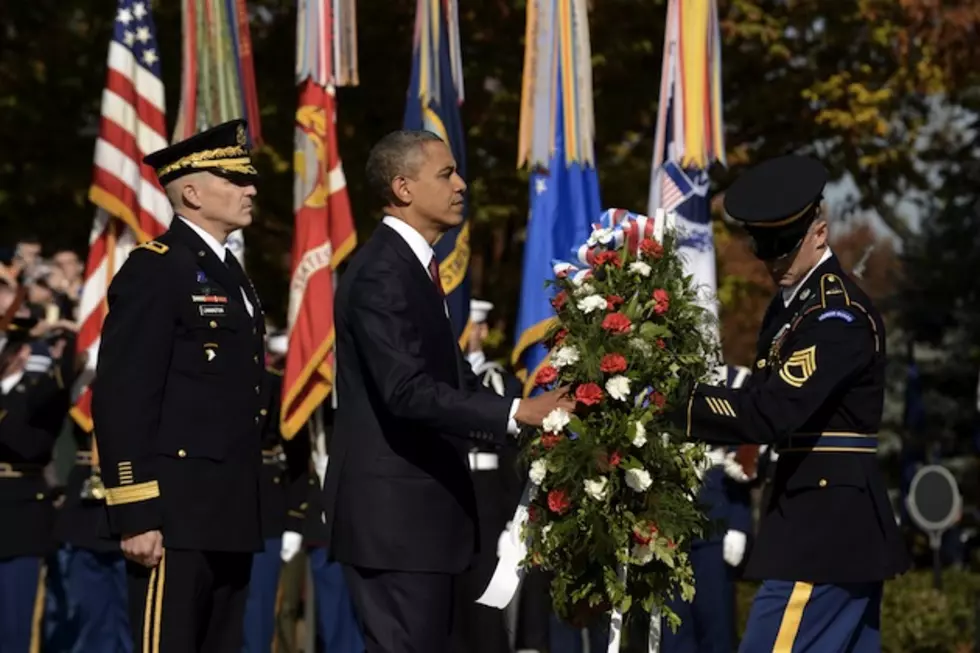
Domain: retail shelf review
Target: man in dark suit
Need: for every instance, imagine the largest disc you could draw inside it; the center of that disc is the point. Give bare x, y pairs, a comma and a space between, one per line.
177, 405
398, 497
827, 536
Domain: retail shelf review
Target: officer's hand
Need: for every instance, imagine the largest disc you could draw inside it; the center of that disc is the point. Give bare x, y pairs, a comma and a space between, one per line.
733, 547
144, 548
533, 410
292, 542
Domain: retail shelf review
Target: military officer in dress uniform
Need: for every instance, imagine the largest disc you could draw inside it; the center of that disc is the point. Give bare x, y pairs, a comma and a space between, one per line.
827, 537
176, 404
33, 406
708, 623
283, 493
498, 485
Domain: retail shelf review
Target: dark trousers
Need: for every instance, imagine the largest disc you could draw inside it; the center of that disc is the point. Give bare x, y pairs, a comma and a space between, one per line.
192, 602
402, 612
21, 604
707, 624
260, 608
96, 589
337, 630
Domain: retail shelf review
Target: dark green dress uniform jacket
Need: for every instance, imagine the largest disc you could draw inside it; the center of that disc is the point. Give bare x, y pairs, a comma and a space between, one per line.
177, 398
817, 396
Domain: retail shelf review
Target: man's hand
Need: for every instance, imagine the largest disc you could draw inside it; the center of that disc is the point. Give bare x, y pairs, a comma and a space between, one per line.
532, 411
144, 548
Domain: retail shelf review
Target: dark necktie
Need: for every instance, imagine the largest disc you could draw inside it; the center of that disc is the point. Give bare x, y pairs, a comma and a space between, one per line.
434, 274
239, 274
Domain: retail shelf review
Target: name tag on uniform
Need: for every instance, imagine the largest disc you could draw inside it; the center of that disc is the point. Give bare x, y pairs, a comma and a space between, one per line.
212, 310
209, 299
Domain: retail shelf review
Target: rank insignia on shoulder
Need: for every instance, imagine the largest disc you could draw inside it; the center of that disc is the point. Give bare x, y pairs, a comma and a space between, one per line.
836, 313
154, 246
832, 290
799, 367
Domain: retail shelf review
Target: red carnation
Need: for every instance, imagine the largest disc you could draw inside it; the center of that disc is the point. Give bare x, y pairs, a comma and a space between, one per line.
661, 343
613, 363
612, 301
546, 375
658, 399
588, 393
643, 536
612, 258
558, 501
532, 513
560, 336
550, 440
559, 300
661, 300
651, 248
615, 458
617, 323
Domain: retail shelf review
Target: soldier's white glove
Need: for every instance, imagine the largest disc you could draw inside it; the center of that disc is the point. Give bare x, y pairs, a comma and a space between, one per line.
292, 542
733, 547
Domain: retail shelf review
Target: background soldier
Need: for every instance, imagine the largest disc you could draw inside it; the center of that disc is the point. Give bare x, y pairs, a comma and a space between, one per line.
708, 623
176, 404
282, 496
817, 395
33, 406
497, 484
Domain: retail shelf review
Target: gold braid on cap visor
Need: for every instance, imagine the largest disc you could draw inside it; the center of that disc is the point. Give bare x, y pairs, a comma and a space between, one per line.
232, 159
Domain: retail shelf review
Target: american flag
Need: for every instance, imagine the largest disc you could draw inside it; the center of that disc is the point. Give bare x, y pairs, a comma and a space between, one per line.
675, 186
132, 206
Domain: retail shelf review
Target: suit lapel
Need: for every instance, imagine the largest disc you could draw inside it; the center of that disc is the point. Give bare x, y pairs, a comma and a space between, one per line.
426, 290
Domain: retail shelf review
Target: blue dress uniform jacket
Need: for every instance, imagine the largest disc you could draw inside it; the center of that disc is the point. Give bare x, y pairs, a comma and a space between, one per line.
31, 416
177, 398
285, 463
817, 395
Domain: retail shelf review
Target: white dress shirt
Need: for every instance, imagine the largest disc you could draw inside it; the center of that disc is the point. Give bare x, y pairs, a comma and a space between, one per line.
220, 251
789, 294
423, 252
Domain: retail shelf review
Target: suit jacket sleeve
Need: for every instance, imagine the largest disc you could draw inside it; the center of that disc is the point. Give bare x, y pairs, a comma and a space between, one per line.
389, 344
824, 355
134, 359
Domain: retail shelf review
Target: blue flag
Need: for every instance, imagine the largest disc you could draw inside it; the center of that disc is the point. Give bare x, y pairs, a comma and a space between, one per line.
564, 202
433, 105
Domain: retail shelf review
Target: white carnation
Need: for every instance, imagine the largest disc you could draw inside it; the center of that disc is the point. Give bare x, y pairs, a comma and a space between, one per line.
642, 554
565, 356
600, 237
556, 421
597, 489
638, 479
591, 304
584, 289
539, 469
640, 268
641, 345
579, 277
546, 530
640, 438
618, 387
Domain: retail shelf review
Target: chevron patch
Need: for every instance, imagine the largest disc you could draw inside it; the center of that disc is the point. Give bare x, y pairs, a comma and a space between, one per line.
799, 367
720, 406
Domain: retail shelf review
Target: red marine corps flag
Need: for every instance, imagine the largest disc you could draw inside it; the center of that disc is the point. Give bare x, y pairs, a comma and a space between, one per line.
324, 233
